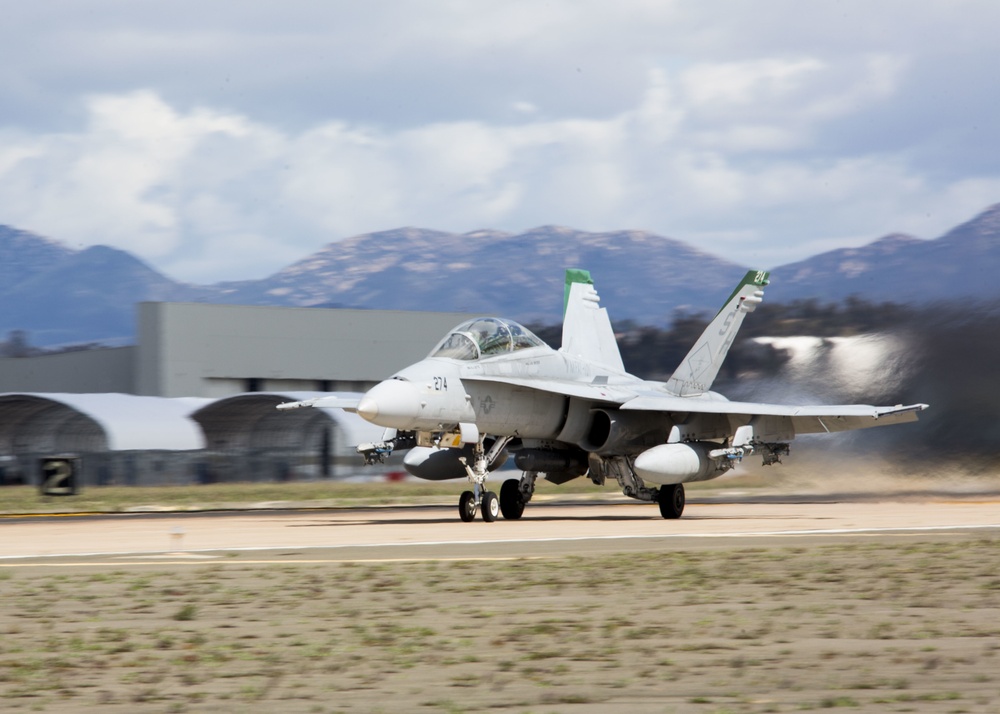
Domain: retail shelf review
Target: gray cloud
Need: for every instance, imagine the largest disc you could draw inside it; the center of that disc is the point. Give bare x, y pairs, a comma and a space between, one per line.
223, 140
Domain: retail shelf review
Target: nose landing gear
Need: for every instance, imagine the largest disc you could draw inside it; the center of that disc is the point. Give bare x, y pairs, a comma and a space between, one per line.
471, 501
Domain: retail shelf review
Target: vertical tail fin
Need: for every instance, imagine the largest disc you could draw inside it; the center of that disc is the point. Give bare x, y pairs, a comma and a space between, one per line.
587, 331
699, 369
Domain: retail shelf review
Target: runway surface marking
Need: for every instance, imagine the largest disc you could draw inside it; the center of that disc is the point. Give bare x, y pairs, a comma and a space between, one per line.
192, 536
282, 561
204, 555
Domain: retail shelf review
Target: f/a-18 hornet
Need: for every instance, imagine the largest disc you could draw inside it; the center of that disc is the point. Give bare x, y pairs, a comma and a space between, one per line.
491, 389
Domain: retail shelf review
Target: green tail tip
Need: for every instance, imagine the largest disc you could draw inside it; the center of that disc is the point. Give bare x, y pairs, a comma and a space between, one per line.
753, 277
575, 275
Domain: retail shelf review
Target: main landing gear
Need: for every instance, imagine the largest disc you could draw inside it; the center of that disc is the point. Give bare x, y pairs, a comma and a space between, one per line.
669, 497
514, 495
671, 500
511, 502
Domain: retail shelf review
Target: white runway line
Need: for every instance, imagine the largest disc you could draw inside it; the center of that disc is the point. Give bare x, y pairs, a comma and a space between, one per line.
195, 554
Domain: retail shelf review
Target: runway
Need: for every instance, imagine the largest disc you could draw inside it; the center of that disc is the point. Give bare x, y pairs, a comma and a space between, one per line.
435, 532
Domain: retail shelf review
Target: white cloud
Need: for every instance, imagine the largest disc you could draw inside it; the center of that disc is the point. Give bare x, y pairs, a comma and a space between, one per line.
734, 84
188, 189
221, 146
129, 178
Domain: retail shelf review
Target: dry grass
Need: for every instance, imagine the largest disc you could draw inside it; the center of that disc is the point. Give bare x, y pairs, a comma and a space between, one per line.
893, 625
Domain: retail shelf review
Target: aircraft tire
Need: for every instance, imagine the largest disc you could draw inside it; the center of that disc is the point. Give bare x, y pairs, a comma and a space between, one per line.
491, 507
671, 500
467, 506
511, 502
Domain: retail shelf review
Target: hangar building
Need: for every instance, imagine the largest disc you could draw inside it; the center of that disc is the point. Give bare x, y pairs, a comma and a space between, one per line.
201, 350
194, 400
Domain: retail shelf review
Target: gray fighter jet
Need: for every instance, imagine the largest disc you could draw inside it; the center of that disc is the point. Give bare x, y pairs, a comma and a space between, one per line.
491, 389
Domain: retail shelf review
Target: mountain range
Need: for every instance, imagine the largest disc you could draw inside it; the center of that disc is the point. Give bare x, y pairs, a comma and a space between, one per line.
62, 296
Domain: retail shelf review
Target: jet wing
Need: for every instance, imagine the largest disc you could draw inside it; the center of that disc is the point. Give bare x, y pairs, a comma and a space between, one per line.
348, 404
803, 419
595, 391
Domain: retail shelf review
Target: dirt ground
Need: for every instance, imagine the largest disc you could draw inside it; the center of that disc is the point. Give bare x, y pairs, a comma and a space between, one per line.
893, 623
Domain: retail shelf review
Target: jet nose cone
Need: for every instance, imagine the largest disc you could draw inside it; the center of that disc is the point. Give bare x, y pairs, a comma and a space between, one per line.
392, 403
368, 408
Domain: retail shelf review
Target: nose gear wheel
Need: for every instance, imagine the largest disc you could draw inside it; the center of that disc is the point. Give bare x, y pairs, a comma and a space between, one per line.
467, 506
491, 507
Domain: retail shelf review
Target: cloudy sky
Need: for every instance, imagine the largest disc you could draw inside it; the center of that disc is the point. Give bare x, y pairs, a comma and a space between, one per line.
224, 140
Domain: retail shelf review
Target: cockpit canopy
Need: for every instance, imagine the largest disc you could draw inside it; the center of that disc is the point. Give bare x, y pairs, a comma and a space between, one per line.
485, 337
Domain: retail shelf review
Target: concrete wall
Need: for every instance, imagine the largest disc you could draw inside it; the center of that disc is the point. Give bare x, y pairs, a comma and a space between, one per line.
98, 371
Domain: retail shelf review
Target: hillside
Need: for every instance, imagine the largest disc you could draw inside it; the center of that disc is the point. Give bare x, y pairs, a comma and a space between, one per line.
963, 263
60, 295
520, 276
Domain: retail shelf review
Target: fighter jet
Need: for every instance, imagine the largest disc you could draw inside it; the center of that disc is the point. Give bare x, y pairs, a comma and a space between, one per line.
491, 389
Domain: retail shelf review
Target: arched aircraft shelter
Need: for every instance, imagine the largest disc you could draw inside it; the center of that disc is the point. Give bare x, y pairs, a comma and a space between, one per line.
249, 439
116, 436
134, 440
